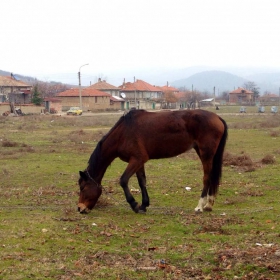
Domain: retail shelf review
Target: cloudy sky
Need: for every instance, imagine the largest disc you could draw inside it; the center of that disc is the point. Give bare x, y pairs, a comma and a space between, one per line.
52, 39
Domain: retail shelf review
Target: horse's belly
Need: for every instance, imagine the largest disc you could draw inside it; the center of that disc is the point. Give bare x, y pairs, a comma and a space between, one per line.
165, 150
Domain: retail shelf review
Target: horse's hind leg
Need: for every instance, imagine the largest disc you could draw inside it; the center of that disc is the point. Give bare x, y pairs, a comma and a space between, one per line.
141, 176
207, 199
202, 203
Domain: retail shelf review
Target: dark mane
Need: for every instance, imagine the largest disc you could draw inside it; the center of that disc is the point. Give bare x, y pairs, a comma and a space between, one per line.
128, 119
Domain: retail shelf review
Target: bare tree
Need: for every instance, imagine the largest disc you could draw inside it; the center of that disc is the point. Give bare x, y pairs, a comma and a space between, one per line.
170, 97
50, 89
254, 88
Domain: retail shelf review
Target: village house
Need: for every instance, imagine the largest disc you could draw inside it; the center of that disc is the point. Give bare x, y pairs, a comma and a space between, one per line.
92, 100
241, 96
171, 100
106, 87
141, 95
269, 99
15, 97
168, 88
13, 90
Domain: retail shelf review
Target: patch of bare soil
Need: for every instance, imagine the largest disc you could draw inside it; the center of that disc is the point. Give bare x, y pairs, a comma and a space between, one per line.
211, 224
101, 263
243, 162
263, 257
268, 159
259, 262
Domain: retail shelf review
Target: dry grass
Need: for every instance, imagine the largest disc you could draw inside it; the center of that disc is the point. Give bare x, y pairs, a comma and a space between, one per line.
274, 133
43, 237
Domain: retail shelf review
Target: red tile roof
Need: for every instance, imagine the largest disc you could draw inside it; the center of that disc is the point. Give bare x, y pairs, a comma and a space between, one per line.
168, 88
26, 91
180, 94
241, 90
139, 85
7, 81
102, 85
84, 92
270, 95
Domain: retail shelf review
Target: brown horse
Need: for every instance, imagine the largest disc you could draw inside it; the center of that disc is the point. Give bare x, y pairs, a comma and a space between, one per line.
140, 135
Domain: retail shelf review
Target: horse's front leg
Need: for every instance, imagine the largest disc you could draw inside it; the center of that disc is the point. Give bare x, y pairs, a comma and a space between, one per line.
141, 176
131, 169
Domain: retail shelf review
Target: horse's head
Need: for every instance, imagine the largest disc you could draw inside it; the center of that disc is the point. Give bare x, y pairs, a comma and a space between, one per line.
90, 191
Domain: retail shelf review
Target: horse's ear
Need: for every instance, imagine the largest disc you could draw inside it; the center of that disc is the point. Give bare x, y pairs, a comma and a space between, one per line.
83, 175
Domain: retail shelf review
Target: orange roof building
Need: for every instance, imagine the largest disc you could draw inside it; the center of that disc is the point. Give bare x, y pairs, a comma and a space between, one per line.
240, 95
92, 99
13, 90
140, 90
105, 87
85, 92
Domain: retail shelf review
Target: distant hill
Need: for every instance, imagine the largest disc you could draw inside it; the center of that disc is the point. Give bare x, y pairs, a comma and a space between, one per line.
207, 80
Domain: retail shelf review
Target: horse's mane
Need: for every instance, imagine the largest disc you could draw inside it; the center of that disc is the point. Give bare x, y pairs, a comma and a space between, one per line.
127, 119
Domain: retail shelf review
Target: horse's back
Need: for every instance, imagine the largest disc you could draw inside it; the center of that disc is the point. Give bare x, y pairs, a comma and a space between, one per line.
169, 133
174, 122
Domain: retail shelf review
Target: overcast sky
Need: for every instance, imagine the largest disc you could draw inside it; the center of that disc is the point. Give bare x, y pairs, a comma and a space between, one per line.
51, 39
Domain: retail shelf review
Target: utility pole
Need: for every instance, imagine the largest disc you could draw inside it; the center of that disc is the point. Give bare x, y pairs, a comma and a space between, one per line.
214, 98
80, 89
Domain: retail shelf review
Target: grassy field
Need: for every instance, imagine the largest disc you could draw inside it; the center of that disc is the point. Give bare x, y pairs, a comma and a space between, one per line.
42, 236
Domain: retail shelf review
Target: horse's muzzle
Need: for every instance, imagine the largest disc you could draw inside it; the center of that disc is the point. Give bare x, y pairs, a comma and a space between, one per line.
83, 209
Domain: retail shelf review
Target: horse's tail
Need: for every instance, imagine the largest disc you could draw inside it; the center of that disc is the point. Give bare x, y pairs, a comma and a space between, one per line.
216, 173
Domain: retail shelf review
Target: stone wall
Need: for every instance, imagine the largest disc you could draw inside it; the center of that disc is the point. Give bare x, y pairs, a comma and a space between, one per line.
25, 108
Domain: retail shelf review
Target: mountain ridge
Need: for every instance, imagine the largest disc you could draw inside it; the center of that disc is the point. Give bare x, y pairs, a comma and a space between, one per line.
207, 80
202, 78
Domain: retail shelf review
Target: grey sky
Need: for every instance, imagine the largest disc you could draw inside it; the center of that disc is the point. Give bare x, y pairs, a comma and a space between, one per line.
51, 39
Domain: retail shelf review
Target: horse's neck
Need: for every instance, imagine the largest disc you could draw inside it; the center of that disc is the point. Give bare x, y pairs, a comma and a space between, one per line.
98, 168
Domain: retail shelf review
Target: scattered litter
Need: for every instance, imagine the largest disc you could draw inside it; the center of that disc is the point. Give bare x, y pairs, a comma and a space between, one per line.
135, 190
223, 214
147, 268
277, 253
94, 224
269, 245
188, 188
44, 230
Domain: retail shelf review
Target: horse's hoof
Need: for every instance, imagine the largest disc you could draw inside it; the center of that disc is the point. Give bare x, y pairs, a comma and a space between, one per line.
142, 211
208, 209
198, 211
136, 210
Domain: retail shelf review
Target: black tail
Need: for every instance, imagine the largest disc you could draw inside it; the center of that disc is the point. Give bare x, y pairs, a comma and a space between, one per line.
216, 173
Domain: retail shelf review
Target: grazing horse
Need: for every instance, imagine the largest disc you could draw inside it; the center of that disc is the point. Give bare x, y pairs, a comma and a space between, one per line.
140, 135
